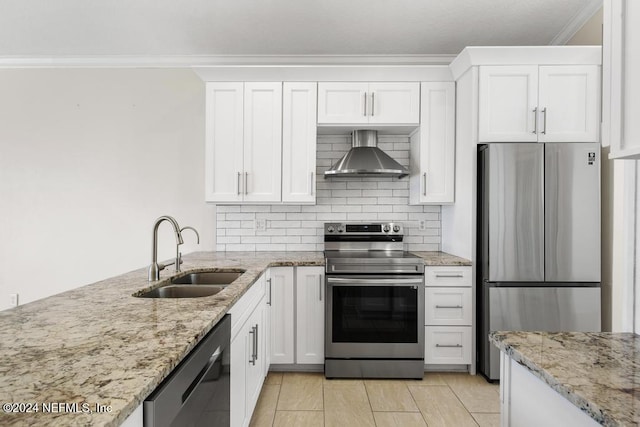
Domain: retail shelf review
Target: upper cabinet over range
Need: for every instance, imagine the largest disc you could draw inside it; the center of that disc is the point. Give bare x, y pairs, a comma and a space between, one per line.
529, 103
357, 103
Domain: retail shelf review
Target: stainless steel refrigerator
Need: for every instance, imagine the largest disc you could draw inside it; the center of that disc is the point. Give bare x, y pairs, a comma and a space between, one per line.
538, 241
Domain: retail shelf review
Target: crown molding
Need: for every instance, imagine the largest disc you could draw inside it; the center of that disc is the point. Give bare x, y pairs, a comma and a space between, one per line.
577, 22
188, 61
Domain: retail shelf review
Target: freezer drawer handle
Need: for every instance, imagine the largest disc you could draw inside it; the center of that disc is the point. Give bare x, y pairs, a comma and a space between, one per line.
449, 346
448, 306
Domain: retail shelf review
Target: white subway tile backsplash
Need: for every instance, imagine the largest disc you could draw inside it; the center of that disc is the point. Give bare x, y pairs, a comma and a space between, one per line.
300, 227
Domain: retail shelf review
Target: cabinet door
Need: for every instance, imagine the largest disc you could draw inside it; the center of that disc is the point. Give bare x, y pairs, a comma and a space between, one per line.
432, 176
282, 315
394, 103
256, 358
262, 142
224, 136
310, 315
299, 142
240, 356
508, 100
340, 103
569, 102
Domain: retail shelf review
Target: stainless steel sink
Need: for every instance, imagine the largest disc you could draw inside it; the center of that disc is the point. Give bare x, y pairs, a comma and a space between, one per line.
194, 285
183, 291
208, 278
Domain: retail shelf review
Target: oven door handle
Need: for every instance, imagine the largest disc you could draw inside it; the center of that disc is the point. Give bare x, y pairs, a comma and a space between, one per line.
350, 281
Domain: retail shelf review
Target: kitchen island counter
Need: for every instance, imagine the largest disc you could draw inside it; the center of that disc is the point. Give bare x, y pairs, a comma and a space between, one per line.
599, 373
100, 345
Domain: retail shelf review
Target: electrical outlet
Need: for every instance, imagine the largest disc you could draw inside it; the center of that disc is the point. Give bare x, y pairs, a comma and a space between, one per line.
260, 224
13, 300
422, 225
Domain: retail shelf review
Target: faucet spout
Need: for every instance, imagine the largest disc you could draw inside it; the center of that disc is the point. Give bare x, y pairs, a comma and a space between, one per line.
155, 268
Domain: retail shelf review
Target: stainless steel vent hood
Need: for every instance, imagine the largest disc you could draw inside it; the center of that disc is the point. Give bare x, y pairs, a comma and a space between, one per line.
366, 159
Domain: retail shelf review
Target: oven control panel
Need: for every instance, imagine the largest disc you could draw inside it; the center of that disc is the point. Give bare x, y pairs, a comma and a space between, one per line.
363, 229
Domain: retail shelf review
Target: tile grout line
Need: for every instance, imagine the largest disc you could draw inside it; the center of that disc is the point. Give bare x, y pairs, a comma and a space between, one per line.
462, 403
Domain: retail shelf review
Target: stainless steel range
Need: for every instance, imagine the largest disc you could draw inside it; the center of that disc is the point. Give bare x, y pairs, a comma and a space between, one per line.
375, 303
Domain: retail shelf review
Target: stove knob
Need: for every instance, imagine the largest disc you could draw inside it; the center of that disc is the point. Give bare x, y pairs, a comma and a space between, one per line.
396, 228
340, 228
331, 229
386, 228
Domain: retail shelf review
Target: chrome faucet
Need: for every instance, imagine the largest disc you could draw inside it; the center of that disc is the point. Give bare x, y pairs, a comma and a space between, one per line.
178, 254
155, 268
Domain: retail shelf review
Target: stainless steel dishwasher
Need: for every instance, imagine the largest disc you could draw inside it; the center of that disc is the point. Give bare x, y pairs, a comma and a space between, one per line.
197, 392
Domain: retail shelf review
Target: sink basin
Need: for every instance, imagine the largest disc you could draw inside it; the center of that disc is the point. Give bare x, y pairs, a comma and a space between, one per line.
208, 278
183, 291
194, 285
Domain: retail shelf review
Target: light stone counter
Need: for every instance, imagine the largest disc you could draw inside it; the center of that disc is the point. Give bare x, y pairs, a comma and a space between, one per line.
598, 372
100, 345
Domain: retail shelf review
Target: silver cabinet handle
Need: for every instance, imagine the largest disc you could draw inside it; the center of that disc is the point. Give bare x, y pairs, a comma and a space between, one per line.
450, 275
449, 346
238, 183
535, 121
448, 306
311, 184
255, 337
373, 103
424, 179
320, 286
544, 121
269, 300
365, 104
253, 345
246, 185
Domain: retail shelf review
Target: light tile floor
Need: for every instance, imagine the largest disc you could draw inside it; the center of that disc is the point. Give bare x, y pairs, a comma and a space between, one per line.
440, 399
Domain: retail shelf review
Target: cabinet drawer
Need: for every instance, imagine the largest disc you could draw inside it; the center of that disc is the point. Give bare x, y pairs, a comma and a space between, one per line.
448, 345
459, 276
448, 306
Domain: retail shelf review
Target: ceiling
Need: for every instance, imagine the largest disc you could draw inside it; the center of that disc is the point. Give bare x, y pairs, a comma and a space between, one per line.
46, 28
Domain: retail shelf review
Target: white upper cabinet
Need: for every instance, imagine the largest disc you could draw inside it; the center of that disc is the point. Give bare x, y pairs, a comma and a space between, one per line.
569, 102
262, 142
432, 175
224, 141
508, 103
621, 80
530, 103
243, 142
299, 142
356, 103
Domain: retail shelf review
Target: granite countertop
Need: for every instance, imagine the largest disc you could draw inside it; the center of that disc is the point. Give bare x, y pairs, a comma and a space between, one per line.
599, 372
100, 345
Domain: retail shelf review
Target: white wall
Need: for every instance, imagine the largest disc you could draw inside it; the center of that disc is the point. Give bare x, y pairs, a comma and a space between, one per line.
300, 228
89, 158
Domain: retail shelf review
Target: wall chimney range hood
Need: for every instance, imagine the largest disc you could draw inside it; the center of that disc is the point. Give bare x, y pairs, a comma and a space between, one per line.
365, 159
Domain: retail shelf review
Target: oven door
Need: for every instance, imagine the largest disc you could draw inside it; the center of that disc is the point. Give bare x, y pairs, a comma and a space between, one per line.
374, 316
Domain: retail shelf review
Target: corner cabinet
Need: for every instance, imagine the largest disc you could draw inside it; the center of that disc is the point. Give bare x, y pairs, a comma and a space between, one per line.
243, 142
356, 103
621, 81
432, 162
531, 103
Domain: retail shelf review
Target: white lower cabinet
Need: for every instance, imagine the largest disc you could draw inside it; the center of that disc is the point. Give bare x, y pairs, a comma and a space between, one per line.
448, 315
249, 337
280, 280
297, 315
310, 315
